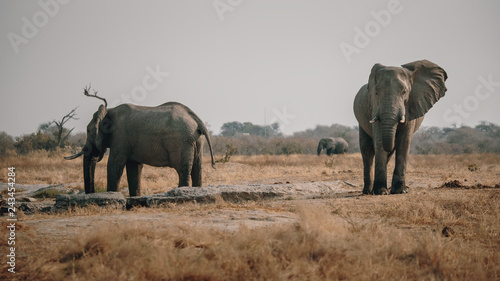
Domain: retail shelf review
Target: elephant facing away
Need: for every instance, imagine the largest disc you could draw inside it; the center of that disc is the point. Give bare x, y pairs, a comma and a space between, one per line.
169, 135
389, 109
333, 146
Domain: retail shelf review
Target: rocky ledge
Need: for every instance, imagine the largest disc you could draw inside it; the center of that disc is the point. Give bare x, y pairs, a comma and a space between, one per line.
206, 194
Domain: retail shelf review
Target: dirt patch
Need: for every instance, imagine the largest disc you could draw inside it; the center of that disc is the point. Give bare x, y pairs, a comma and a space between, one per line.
57, 230
458, 184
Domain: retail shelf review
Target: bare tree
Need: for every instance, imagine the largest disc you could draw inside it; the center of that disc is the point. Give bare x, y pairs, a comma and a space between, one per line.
62, 133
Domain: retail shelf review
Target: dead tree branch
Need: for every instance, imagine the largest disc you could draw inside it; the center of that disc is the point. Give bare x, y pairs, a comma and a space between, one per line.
60, 127
86, 92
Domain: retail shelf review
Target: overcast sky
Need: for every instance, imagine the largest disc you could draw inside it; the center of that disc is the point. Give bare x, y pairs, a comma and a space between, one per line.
299, 63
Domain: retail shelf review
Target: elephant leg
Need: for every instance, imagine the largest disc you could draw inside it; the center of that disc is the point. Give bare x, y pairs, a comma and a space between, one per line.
402, 151
186, 165
134, 172
329, 151
368, 153
116, 164
380, 182
196, 173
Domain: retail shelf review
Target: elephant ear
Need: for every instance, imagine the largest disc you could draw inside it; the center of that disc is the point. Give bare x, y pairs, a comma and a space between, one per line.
98, 137
428, 87
372, 80
330, 143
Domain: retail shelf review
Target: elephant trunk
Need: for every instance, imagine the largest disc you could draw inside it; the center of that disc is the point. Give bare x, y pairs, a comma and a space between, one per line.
388, 129
89, 163
320, 148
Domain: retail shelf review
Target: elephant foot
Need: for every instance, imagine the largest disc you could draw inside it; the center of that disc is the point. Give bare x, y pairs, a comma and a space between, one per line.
380, 191
399, 190
366, 191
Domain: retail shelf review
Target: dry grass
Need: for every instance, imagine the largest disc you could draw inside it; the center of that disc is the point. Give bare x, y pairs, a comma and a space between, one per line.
352, 238
372, 238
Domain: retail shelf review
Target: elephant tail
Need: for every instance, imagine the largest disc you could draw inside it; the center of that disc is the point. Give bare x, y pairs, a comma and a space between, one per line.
205, 132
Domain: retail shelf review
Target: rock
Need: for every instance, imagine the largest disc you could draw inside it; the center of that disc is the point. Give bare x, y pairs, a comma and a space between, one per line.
4, 209
48, 191
104, 199
30, 208
448, 231
74, 191
141, 201
29, 199
238, 193
208, 194
74, 185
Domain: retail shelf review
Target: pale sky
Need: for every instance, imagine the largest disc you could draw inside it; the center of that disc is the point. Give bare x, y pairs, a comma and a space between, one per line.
239, 60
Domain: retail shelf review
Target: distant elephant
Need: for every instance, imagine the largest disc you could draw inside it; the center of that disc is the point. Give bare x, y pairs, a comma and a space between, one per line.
333, 146
169, 135
389, 109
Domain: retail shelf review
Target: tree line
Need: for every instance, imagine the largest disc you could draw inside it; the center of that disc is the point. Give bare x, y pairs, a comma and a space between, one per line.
483, 138
252, 139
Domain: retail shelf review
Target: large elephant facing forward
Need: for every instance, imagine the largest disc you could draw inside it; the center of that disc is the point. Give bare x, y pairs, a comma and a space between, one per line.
389, 109
333, 146
169, 135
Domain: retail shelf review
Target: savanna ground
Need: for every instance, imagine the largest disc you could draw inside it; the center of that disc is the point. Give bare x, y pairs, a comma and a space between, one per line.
429, 234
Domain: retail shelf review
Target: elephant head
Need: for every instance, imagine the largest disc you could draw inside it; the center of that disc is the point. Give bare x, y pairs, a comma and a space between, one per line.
325, 143
95, 145
401, 94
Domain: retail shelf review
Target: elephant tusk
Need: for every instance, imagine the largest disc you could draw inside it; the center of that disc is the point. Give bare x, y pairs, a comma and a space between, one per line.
403, 119
375, 119
74, 156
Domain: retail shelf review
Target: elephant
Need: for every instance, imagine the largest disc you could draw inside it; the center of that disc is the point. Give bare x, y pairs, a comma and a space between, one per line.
168, 135
333, 146
389, 109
